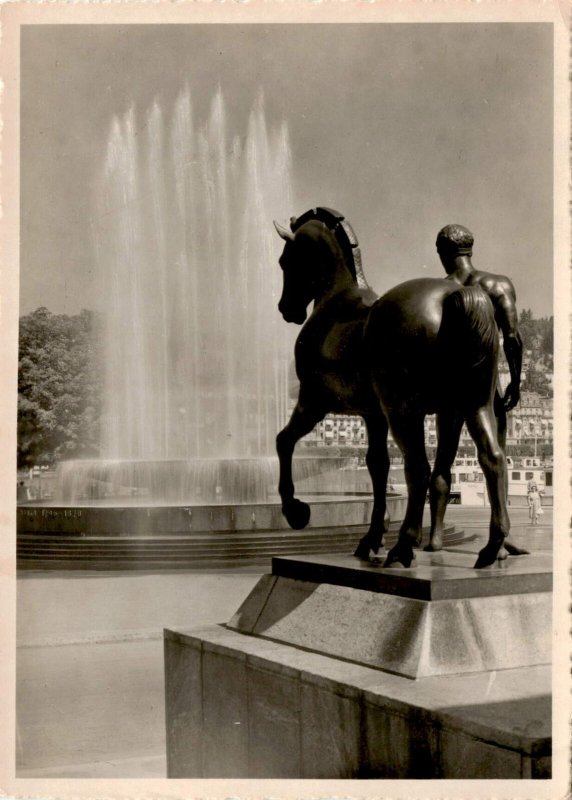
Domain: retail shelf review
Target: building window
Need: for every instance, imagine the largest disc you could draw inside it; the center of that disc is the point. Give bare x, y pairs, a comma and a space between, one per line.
516, 476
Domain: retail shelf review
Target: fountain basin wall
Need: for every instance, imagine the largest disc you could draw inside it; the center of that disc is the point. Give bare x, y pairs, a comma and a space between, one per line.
183, 537
180, 520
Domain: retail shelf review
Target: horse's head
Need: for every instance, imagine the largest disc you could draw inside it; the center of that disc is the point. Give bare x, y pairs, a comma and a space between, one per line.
310, 261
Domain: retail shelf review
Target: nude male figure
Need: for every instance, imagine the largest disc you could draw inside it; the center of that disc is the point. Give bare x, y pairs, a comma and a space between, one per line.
455, 249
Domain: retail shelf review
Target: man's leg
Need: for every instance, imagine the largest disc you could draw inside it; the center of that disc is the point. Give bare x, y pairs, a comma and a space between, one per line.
501, 417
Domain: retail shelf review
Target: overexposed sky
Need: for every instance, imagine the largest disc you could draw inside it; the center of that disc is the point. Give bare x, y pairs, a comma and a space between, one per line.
402, 127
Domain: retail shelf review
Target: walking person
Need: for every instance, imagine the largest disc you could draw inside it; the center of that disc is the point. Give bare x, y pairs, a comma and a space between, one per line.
534, 503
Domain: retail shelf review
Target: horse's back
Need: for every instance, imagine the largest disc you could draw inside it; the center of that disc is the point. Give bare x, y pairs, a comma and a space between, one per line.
411, 307
422, 333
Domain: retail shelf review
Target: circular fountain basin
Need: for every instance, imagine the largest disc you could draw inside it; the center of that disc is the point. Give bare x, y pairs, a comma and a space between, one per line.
170, 520
170, 497
127, 527
156, 538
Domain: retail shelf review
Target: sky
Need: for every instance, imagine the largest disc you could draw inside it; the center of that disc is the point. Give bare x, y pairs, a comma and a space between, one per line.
403, 128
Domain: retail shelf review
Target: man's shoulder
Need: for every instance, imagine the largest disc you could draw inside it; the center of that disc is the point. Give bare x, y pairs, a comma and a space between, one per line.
495, 285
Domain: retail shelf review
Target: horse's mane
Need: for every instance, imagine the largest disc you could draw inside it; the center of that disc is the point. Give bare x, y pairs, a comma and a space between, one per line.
344, 234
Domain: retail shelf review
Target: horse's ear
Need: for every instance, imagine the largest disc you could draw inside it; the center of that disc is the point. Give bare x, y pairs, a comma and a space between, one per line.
283, 232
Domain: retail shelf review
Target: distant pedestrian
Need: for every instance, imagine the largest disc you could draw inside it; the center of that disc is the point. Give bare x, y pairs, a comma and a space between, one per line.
534, 503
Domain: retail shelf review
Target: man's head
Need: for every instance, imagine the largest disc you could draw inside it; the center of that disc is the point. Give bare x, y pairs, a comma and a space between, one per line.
453, 241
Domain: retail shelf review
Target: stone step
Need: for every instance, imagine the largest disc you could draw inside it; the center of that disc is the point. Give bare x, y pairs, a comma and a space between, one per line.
210, 540
118, 546
115, 564
166, 553
193, 554
182, 547
123, 553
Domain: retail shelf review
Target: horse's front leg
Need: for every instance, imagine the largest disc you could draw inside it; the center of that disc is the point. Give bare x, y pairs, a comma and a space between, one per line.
301, 422
377, 460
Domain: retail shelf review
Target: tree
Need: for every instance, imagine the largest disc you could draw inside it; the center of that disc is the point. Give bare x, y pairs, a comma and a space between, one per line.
59, 394
536, 381
546, 327
537, 334
527, 328
538, 340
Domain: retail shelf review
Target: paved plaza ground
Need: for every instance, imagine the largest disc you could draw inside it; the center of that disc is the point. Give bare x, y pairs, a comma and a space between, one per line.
90, 691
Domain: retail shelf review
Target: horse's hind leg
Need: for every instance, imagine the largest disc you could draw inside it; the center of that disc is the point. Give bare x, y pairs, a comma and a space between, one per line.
483, 429
449, 424
301, 422
377, 461
408, 432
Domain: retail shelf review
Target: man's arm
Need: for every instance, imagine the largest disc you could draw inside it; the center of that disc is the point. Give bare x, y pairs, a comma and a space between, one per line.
507, 320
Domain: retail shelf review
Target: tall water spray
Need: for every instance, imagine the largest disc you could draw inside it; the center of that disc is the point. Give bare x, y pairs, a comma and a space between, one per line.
196, 356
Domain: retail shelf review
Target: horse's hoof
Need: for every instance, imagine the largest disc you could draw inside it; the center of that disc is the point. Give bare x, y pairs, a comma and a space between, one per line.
363, 547
362, 552
434, 546
377, 557
490, 555
513, 550
400, 554
297, 514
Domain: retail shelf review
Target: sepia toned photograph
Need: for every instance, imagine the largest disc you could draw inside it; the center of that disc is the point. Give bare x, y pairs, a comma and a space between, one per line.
291, 404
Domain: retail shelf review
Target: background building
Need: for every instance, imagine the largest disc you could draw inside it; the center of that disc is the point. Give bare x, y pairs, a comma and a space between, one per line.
530, 424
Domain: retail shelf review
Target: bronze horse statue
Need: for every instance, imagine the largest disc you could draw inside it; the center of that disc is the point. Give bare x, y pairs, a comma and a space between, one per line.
427, 346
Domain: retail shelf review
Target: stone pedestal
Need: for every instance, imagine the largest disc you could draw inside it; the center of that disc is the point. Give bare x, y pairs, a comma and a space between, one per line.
441, 618
312, 678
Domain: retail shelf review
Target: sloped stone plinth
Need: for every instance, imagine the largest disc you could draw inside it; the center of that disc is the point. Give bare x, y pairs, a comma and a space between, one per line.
441, 617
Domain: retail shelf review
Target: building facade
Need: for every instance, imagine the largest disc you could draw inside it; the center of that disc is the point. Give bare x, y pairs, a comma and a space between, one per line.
531, 422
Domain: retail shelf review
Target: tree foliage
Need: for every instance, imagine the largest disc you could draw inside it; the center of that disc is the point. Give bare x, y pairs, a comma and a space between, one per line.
537, 334
59, 387
538, 345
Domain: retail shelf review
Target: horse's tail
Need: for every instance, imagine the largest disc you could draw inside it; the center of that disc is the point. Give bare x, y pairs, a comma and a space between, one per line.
469, 336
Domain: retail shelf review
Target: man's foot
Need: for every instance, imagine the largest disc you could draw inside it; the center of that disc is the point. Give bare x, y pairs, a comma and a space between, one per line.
513, 550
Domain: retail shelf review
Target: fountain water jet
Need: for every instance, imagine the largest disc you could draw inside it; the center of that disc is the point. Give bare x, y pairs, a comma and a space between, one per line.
197, 363
196, 356
197, 360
